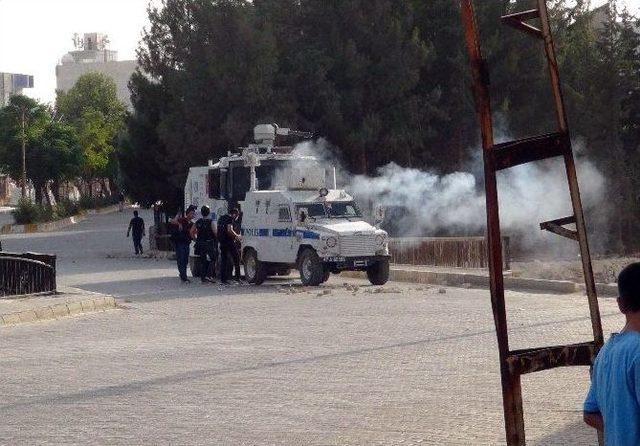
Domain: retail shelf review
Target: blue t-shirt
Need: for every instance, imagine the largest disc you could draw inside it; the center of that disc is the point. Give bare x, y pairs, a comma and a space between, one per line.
615, 389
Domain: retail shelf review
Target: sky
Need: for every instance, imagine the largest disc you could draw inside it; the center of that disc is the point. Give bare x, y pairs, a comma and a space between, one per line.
35, 34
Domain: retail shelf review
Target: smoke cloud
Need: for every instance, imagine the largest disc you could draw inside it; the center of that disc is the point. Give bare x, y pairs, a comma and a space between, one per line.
424, 203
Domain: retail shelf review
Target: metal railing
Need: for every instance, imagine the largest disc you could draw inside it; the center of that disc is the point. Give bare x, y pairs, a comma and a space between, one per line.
28, 273
451, 252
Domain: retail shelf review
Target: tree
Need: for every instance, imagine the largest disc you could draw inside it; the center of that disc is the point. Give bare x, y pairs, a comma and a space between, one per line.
92, 107
381, 80
52, 149
212, 69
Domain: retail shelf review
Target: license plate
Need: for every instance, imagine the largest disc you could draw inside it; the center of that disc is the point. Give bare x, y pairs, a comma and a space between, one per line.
361, 263
335, 259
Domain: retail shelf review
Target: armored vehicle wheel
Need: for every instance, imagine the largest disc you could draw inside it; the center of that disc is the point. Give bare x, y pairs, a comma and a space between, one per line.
310, 267
254, 270
378, 273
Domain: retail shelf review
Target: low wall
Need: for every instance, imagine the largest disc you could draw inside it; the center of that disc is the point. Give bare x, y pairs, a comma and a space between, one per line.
453, 252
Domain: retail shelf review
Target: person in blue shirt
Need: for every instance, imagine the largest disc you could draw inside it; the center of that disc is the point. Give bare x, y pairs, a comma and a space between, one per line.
613, 402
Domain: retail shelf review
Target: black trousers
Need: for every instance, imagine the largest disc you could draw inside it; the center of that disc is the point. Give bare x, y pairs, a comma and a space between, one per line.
229, 250
208, 256
137, 243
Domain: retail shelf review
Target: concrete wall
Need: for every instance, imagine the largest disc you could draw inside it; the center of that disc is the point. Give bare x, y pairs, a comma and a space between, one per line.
120, 72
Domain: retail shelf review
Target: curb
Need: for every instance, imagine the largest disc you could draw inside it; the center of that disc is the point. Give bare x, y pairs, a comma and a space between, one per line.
55, 225
460, 279
58, 311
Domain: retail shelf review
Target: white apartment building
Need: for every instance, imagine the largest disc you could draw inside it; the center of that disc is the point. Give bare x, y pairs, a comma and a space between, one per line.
91, 55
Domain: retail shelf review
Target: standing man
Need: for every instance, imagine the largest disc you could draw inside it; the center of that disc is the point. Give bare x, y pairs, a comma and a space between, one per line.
206, 247
229, 241
181, 237
613, 402
137, 226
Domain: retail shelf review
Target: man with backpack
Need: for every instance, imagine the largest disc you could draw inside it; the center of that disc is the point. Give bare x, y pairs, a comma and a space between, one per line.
204, 233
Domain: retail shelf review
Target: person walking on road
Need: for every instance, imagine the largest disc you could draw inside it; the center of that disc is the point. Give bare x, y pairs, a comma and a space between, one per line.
204, 233
229, 240
613, 402
181, 237
136, 226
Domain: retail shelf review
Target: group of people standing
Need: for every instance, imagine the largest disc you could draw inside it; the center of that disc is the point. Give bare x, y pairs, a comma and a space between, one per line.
207, 236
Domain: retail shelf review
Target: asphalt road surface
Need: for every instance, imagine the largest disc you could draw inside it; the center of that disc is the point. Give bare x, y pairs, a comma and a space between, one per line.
206, 365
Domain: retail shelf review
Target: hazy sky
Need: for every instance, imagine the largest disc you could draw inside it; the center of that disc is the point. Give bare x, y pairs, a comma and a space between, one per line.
35, 34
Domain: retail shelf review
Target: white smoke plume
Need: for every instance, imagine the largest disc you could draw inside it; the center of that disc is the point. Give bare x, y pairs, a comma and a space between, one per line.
454, 204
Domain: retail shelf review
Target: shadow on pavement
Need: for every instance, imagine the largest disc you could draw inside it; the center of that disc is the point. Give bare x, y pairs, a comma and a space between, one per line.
156, 289
142, 386
575, 434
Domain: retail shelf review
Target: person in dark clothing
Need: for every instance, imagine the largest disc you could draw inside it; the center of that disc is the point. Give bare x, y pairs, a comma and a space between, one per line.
206, 246
229, 240
136, 226
181, 236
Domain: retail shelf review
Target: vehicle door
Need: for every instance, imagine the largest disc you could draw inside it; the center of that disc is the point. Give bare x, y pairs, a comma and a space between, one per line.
282, 233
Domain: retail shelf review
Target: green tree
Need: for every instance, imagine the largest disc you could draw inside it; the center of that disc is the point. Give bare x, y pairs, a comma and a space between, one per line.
52, 150
92, 107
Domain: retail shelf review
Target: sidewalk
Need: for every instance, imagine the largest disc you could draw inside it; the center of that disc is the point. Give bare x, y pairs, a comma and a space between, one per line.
68, 302
468, 278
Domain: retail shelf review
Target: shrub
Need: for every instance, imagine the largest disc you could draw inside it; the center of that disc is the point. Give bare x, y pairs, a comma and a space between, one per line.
27, 211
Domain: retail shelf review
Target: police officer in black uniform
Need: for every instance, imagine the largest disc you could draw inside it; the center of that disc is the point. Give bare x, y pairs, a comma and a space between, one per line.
206, 245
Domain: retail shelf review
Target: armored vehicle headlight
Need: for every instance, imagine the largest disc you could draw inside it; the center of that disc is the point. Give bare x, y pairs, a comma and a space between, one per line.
380, 239
332, 242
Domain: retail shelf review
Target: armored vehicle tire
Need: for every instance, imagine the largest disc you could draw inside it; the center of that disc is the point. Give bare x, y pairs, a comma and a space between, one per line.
325, 275
378, 273
254, 269
310, 267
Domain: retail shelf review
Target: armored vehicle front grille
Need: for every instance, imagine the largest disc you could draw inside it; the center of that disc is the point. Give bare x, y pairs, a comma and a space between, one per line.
357, 245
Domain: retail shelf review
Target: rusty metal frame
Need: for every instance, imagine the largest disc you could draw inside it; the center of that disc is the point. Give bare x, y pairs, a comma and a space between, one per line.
514, 363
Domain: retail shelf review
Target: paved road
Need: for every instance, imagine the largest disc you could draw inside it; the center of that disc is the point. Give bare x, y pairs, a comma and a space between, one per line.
202, 365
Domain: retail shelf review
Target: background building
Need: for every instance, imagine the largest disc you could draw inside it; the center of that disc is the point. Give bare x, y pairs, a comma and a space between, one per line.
91, 55
11, 84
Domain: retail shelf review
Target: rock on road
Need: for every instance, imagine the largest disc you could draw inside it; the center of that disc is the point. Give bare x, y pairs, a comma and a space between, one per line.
205, 365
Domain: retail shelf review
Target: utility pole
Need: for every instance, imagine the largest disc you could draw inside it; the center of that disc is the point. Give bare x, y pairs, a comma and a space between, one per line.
24, 157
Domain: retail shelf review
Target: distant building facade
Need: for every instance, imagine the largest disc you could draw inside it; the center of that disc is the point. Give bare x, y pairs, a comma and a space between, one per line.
90, 56
12, 84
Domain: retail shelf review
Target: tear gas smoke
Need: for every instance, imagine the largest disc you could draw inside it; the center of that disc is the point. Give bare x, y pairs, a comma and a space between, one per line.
454, 204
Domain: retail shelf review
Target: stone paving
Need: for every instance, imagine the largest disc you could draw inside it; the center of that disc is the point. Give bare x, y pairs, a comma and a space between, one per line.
206, 365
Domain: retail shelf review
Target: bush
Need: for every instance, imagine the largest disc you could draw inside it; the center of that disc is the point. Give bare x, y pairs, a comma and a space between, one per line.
27, 211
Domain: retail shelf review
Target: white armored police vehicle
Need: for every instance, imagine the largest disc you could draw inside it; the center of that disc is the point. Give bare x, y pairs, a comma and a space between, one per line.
293, 215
